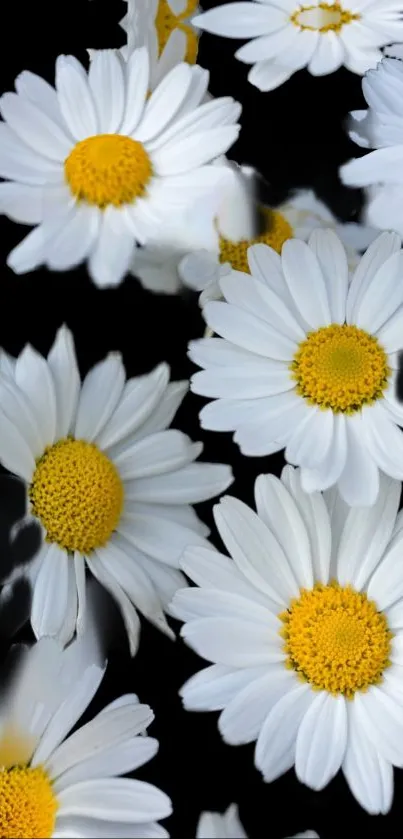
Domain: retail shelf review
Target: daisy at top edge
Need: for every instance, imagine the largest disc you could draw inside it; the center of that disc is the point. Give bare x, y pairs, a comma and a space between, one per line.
165, 28
287, 36
111, 485
54, 785
380, 127
99, 166
303, 625
229, 826
307, 361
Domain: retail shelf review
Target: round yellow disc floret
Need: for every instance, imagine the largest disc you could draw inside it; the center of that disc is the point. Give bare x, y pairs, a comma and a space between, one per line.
28, 805
340, 367
336, 639
276, 231
108, 169
77, 494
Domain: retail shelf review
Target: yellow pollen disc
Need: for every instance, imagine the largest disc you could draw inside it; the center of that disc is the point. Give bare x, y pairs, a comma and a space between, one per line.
326, 17
27, 804
340, 367
77, 494
336, 639
276, 231
108, 169
166, 22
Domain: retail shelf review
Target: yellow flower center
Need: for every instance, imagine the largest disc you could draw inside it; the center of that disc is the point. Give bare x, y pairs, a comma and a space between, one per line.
108, 169
276, 231
340, 367
166, 22
27, 804
77, 494
336, 639
326, 17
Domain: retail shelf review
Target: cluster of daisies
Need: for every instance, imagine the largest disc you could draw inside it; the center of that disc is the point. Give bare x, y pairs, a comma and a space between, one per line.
123, 165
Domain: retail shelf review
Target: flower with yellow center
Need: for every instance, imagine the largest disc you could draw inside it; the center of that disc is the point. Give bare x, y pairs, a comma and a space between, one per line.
52, 784
107, 164
109, 483
165, 28
303, 626
307, 361
288, 36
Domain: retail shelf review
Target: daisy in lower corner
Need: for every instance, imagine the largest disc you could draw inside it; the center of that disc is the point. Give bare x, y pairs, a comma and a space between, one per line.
229, 826
287, 36
217, 235
110, 484
165, 28
99, 166
304, 626
308, 360
55, 786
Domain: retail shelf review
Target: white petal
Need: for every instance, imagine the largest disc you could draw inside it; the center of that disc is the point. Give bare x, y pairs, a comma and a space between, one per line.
210, 569
383, 295
163, 452
386, 584
18, 409
275, 748
107, 84
255, 550
100, 394
262, 302
76, 238
110, 260
159, 538
235, 20
119, 799
243, 718
306, 283
313, 511
381, 720
138, 404
15, 454
33, 376
374, 258
194, 603
188, 485
247, 331
35, 128
214, 687
321, 741
235, 643
266, 75
75, 99
86, 828
368, 775
129, 615
163, 104
200, 148
62, 362
333, 263
384, 440
359, 481
116, 760
328, 56
137, 80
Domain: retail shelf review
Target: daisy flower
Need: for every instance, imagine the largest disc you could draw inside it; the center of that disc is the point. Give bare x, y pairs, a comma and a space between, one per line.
109, 483
98, 166
54, 785
304, 629
380, 127
165, 28
228, 826
307, 361
287, 35
217, 235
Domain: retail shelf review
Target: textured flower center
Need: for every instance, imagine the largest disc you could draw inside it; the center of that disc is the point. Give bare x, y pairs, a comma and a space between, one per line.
166, 22
326, 17
276, 231
340, 367
27, 804
336, 639
108, 169
77, 494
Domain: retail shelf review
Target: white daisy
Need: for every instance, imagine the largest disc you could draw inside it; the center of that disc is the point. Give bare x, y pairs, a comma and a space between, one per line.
229, 826
308, 361
380, 127
304, 626
111, 487
287, 35
98, 166
51, 786
165, 28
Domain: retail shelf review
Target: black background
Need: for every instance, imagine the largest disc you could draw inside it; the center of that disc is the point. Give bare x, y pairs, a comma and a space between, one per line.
295, 137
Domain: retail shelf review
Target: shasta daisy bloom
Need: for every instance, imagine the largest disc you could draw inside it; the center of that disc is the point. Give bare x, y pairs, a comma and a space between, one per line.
380, 127
229, 826
304, 629
165, 28
287, 35
98, 166
54, 785
109, 483
307, 361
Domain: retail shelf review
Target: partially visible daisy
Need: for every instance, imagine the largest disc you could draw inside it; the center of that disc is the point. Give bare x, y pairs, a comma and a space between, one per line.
307, 361
229, 826
303, 627
380, 127
287, 35
54, 785
99, 167
165, 28
109, 483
